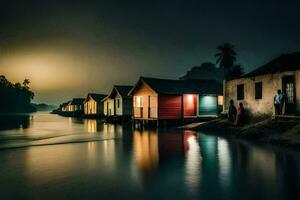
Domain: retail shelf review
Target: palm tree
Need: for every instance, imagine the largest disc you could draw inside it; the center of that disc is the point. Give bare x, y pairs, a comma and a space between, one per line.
226, 57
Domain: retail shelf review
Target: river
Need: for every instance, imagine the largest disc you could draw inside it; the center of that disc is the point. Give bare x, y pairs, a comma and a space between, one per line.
46, 156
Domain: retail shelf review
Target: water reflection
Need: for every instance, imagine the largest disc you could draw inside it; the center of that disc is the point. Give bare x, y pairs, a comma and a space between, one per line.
21, 121
91, 125
145, 147
193, 162
143, 164
224, 162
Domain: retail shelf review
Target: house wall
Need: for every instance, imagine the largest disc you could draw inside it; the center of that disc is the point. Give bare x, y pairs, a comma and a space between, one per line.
270, 84
127, 106
169, 106
190, 105
119, 110
70, 108
90, 107
208, 105
144, 91
109, 105
100, 108
297, 75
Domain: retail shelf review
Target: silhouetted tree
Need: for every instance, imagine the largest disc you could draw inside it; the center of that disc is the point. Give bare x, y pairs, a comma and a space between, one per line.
18, 86
226, 56
15, 97
235, 72
205, 71
4, 82
26, 83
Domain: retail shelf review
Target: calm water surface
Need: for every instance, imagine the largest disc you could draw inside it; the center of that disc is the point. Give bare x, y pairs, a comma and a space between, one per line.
67, 158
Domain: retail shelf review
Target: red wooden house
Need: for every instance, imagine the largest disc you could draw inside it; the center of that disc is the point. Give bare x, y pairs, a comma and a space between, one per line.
162, 99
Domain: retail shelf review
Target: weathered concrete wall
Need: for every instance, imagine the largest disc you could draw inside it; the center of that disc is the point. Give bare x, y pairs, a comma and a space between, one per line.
270, 84
298, 91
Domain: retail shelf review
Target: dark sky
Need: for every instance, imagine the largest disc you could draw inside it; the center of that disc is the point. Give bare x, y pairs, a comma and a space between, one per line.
70, 48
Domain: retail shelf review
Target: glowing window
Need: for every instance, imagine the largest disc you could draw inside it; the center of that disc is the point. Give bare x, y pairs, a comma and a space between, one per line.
138, 101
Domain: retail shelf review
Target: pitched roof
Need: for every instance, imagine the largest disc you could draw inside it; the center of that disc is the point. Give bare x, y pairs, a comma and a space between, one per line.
97, 97
64, 104
285, 62
77, 101
123, 89
166, 86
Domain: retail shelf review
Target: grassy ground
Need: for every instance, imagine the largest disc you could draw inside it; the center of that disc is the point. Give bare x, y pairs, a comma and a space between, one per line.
282, 131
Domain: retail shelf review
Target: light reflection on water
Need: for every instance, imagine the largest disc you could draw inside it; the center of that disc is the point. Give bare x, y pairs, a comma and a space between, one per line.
118, 162
193, 162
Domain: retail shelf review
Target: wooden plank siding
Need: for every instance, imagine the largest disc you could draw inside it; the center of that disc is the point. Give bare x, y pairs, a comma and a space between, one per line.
90, 107
109, 107
170, 106
163, 106
148, 109
190, 102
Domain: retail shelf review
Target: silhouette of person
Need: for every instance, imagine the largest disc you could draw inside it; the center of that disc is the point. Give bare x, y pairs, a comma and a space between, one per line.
240, 117
278, 102
231, 112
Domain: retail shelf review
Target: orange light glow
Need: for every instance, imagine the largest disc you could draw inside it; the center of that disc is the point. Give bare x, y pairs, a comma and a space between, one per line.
220, 100
190, 99
146, 149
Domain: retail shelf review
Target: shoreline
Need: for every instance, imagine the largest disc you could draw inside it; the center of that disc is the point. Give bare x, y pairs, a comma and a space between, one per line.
273, 130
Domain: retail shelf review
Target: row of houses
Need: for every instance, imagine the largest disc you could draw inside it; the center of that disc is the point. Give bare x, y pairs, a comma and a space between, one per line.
153, 99
163, 99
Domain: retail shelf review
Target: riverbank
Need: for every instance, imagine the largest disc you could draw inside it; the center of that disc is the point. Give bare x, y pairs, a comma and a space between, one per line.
281, 130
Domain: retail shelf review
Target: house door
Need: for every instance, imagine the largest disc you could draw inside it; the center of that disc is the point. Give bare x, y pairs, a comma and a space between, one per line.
288, 87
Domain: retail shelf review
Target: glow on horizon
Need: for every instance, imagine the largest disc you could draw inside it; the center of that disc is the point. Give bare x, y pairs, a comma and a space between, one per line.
47, 71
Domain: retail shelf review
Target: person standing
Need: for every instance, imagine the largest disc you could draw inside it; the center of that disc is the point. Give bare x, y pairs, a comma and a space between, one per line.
231, 112
240, 117
278, 102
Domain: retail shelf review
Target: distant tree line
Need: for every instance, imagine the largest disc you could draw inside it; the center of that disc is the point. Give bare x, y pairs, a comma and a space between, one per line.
15, 97
225, 59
